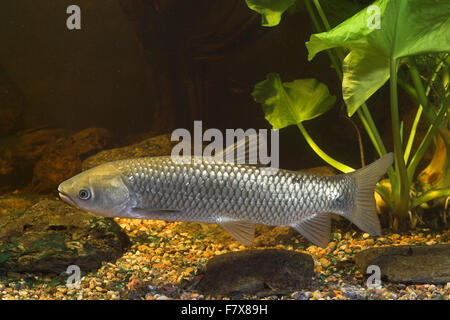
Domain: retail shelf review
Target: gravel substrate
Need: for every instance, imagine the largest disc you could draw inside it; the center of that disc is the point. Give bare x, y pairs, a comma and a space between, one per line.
166, 258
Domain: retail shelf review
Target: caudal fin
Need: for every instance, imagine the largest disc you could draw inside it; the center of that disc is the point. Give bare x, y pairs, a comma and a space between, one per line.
364, 214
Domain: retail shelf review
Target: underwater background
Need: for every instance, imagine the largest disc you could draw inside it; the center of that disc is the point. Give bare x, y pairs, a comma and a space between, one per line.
136, 71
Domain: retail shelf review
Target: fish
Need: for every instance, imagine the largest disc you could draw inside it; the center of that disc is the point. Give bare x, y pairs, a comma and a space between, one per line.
232, 195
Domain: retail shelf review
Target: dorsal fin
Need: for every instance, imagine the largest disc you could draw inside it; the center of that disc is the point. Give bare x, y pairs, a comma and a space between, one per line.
244, 151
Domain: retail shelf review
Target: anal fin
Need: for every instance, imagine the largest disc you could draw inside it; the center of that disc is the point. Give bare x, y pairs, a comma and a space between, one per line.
316, 229
242, 231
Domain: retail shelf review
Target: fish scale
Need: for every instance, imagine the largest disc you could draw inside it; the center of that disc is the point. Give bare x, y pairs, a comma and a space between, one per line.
233, 195
197, 189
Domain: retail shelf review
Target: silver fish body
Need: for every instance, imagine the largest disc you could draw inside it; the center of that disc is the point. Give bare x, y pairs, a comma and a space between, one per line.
232, 195
213, 192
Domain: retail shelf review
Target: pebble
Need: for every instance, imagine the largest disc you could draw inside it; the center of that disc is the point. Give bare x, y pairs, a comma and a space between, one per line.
301, 295
316, 295
164, 255
324, 262
354, 293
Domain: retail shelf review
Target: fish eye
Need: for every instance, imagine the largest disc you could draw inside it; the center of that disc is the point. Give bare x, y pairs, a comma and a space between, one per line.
84, 194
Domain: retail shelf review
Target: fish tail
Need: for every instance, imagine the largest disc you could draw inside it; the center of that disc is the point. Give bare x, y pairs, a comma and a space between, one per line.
363, 213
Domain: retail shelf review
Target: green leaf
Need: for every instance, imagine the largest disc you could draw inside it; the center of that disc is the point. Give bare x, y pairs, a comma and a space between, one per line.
290, 103
270, 10
406, 28
336, 11
364, 74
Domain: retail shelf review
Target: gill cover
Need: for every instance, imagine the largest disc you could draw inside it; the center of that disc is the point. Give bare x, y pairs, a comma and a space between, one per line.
109, 195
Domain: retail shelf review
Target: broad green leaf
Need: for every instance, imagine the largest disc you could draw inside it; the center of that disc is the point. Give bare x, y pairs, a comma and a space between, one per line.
363, 74
290, 103
407, 27
270, 10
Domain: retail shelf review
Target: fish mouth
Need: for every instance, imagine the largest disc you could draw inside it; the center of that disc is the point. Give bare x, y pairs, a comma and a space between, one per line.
65, 197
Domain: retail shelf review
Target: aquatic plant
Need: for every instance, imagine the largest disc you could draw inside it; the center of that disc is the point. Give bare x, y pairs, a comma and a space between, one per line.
403, 42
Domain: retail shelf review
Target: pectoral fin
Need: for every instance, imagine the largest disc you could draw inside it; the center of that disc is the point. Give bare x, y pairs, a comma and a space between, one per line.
242, 231
316, 229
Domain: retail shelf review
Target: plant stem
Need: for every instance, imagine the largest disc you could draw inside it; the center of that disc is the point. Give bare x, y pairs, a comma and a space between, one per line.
322, 15
319, 28
432, 130
368, 130
336, 164
415, 75
363, 112
313, 16
365, 116
339, 52
412, 134
428, 112
373, 128
409, 90
374, 136
401, 195
336, 58
420, 109
430, 195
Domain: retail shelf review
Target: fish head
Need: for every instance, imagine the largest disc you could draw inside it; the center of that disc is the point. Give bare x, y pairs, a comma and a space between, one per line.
100, 190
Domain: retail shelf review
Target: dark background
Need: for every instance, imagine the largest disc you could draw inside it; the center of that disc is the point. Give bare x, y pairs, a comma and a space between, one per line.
153, 65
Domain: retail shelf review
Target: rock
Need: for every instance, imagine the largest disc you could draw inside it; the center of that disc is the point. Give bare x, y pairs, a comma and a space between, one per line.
42, 158
50, 236
301, 295
63, 158
257, 271
316, 295
409, 264
8, 118
12, 204
90, 140
12, 104
155, 146
283, 235
19, 153
53, 169
354, 292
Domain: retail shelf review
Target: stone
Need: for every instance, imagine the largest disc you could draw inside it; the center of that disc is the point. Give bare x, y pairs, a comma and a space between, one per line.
409, 264
354, 292
63, 158
20, 152
155, 146
12, 104
8, 119
269, 271
51, 235
13, 204
301, 295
